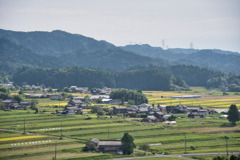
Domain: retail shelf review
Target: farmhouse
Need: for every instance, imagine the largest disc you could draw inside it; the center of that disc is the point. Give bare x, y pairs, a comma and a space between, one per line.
70, 110
55, 97
25, 104
119, 110
203, 111
115, 102
166, 117
133, 108
193, 109
36, 96
159, 116
94, 97
196, 115
162, 108
75, 102
150, 119
85, 105
178, 109
142, 110
12, 104
110, 146
144, 105
8, 85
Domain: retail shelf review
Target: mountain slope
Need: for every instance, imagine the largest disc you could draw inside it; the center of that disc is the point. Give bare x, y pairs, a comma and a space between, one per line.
14, 56
53, 43
76, 50
114, 59
217, 60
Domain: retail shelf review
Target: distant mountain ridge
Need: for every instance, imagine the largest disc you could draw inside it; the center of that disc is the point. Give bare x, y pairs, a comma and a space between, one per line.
15, 56
53, 43
71, 50
62, 49
215, 59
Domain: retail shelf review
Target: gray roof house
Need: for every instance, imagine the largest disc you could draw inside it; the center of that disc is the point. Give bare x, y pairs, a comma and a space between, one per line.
110, 146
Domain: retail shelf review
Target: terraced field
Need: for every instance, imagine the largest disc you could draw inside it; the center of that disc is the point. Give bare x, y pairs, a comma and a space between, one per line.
44, 130
203, 135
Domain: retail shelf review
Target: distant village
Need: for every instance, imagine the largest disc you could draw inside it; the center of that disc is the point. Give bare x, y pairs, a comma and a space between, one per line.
78, 105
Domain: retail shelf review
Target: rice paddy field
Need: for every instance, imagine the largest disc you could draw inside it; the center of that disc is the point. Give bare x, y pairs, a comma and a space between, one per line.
209, 99
43, 130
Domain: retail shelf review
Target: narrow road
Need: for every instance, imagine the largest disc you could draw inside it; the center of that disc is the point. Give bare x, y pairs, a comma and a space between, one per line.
180, 156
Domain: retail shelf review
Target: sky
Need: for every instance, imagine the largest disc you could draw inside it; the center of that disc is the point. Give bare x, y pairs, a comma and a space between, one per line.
207, 24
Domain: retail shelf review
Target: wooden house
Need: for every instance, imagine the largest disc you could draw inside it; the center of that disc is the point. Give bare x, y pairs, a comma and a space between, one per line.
110, 146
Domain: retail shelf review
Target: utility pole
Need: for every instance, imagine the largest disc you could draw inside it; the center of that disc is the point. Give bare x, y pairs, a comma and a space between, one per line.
55, 158
185, 144
24, 126
226, 144
61, 130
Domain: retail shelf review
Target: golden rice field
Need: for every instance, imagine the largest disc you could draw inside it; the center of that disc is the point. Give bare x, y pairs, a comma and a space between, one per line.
21, 138
208, 100
54, 104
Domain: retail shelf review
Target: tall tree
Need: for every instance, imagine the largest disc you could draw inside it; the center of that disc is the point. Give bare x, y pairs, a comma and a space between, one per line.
233, 114
128, 145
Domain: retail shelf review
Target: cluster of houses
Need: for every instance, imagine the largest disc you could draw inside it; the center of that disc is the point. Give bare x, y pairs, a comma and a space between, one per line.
74, 106
12, 104
79, 89
103, 91
8, 85
161, 113
146, 111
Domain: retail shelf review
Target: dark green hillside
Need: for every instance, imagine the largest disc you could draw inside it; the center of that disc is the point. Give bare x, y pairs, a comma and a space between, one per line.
60, 78
218, 60
53, 43
149, 51
77, 50
148, 79
215, 61
114, 59
14, 56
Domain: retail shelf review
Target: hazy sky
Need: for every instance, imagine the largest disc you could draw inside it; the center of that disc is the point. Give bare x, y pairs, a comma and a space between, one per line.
207, 24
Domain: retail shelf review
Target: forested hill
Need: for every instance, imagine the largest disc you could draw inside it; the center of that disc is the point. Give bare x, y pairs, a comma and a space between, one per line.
143, 79
68, 50
218, 60
53, 43
15, 56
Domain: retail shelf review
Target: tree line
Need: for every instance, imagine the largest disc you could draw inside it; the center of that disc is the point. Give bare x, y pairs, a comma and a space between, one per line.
144, 79
178, 77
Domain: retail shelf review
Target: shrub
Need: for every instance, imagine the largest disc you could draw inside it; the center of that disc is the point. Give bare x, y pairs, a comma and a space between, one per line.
193, 148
